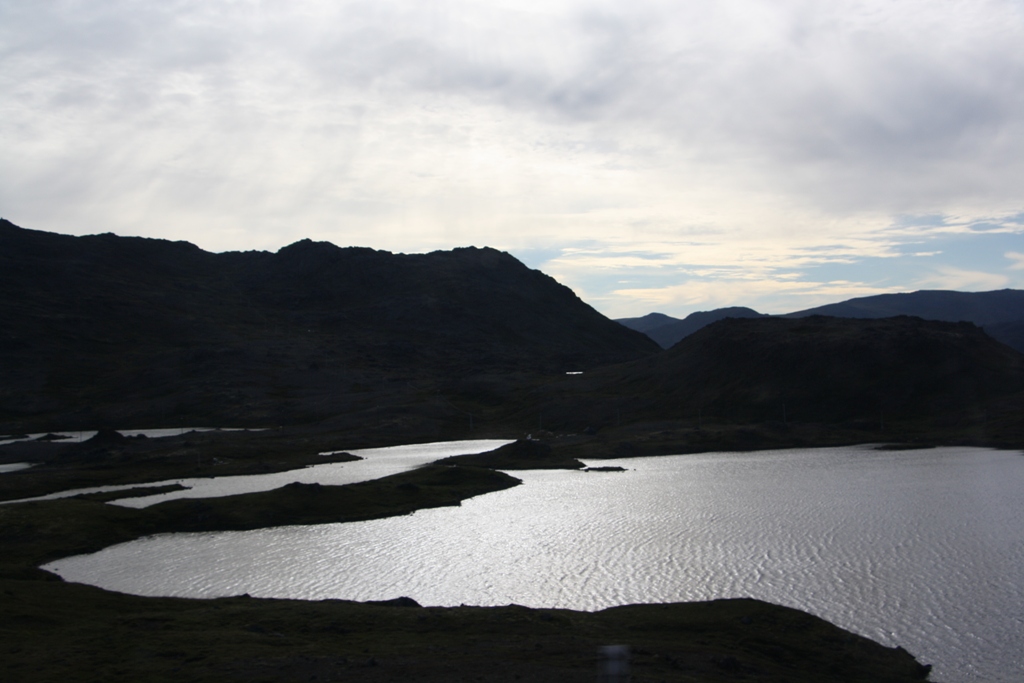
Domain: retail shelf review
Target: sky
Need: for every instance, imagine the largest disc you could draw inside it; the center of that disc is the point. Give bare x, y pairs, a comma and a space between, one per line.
653, 156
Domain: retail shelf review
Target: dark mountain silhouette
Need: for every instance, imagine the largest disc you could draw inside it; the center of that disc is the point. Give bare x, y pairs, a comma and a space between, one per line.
667, 331
647, 323
1010, 333
145, 327
813, 369
980, 308
1000, 313
113, 331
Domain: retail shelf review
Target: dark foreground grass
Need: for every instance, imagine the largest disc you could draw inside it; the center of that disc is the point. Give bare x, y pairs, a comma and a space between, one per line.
54, 631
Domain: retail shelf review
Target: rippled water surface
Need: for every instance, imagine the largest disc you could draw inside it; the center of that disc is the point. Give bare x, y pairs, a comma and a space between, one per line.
375, 463
923, 549
80, 436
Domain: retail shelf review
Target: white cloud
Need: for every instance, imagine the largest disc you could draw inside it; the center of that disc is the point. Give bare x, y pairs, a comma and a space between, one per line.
949, 277
1017, 258
737, 140
769, 295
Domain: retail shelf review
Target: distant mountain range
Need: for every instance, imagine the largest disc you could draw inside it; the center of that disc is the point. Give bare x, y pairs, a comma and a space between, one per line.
102, 331
667, 330
1000, 313
159, 328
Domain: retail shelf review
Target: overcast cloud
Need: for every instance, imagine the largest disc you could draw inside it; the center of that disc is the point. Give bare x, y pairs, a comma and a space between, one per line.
671, 156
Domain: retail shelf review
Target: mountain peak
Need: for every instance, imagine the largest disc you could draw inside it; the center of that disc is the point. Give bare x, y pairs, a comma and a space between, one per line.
169, 330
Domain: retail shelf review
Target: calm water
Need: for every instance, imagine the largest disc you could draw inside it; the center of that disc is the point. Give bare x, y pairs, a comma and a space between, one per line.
375, 463
78, 437
923, 549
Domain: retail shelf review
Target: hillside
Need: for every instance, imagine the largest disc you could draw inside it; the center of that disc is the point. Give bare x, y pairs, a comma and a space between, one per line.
1000, 312
647, 323
102, 328
814, 369
980, 308
667, 331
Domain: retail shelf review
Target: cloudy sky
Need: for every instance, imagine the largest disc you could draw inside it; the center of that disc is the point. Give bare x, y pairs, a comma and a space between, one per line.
670, 156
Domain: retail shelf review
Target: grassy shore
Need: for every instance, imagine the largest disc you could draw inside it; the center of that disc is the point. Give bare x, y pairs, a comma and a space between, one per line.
54, 631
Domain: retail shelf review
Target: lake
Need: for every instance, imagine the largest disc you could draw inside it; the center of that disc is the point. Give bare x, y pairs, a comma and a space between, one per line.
923, 549
375, 464
80, 436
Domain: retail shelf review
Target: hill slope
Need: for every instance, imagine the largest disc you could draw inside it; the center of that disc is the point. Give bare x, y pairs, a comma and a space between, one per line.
647, 323
135, 329
667, 331
1000, 312
813, 369
980, 308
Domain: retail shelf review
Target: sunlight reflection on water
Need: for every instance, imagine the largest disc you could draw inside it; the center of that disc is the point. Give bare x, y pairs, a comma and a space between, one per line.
923, 549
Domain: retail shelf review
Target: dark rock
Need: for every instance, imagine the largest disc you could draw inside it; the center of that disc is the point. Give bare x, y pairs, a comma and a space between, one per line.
105, 437
396, 602
524, 454
525, 449
53, 437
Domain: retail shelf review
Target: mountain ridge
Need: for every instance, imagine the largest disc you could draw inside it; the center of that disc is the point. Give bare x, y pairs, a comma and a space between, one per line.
980, 308
165, 328
999, 312
843, 371
104, 331
666, 330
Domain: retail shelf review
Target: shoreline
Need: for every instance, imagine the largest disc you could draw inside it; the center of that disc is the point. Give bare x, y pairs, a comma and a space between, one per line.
270, 639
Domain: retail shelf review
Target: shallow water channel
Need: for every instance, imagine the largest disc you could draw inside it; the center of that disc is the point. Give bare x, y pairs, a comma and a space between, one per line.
923, 549
375, 463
